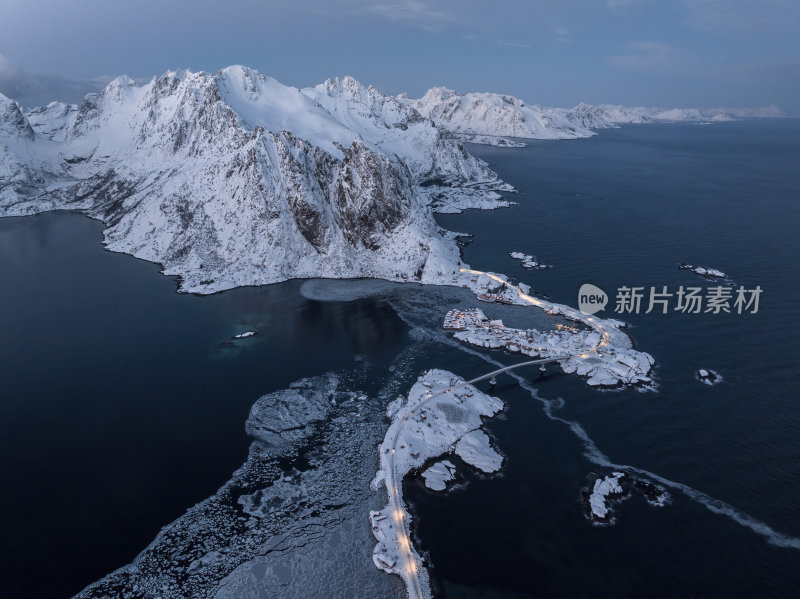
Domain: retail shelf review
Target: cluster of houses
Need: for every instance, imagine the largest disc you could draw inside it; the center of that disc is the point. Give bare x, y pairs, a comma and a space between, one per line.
474, 327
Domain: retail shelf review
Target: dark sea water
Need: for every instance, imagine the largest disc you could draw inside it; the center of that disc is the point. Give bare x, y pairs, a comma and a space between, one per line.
122, 405
624, 208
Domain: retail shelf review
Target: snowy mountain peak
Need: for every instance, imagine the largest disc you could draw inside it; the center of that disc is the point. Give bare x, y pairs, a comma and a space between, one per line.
232, 178
119, 89
346, 84
489, 114
13, 123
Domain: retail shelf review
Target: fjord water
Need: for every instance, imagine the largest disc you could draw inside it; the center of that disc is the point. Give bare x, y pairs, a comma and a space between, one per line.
625, 208
123, 404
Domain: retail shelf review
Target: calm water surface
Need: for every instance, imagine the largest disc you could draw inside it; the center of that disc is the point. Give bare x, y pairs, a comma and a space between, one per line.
123, 405
624, 208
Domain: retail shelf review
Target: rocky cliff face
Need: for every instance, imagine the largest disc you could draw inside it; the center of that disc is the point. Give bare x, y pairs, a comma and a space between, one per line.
431, 153
233, 179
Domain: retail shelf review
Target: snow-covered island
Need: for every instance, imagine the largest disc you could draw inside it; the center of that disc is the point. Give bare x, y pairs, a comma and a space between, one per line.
231, 178
578, 350
245, 335
442, 414
711, 274
604, 491
529, 261
439, 474
708, 376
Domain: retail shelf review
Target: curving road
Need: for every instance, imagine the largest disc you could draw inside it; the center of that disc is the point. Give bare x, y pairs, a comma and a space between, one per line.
407, 561
566, 310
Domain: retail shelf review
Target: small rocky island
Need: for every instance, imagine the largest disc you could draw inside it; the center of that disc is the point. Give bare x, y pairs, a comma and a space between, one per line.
245, 335
711, 274
529, 261
599, 497
708, 377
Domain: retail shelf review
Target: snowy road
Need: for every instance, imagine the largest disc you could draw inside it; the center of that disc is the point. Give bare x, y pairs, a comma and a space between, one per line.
407, 561
572, 313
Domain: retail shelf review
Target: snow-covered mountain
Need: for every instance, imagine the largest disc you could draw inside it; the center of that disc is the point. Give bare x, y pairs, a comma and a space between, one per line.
493, 118
234, 179
489, 114
431, 153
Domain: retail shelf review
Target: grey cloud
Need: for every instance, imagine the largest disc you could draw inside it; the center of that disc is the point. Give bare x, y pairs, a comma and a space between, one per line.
412, 12
36, 89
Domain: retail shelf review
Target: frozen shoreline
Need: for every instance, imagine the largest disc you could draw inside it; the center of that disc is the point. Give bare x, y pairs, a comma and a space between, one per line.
441, 414
603, 353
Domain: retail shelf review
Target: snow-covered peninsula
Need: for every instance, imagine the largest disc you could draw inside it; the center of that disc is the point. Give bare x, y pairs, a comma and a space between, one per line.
442, 414
232, 178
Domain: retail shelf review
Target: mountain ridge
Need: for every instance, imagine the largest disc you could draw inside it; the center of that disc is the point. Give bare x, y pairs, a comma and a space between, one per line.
232, 178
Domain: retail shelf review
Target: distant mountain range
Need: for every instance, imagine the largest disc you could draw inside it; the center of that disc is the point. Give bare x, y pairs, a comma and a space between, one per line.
486, 115
233, 179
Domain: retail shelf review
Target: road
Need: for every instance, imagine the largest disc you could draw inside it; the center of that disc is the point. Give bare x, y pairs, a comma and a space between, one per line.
566, 310
407, 561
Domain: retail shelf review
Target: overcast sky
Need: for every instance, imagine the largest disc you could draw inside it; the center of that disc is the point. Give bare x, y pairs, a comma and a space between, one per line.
703, 53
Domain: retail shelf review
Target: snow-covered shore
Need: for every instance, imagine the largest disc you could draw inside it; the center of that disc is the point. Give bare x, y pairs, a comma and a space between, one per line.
529, 261
442, 414
602, 353
492, 118
605, 491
